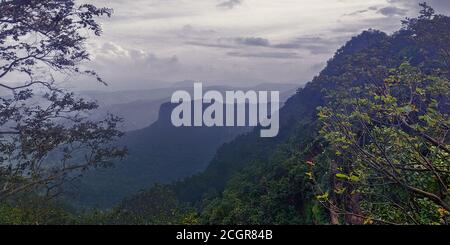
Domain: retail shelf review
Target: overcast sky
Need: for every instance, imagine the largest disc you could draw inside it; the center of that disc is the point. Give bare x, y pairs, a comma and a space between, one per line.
233, 41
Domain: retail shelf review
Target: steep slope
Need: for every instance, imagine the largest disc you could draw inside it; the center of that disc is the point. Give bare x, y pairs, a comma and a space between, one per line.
244, 165
263, 181
298, 110
137, 114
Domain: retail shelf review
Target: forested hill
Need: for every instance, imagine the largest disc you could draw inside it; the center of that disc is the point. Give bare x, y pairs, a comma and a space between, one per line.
308, 175
365, 58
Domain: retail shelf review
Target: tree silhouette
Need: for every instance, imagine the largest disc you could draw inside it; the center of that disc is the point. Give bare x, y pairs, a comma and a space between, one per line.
45, 135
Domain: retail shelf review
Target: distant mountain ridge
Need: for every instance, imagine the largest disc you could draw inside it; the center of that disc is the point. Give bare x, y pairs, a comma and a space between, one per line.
160, 153
139, 108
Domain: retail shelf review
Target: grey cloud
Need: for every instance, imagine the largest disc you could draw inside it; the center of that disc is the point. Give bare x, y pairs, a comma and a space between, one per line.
269, 55
358, 12
229, 4
292, 45
315, 45
253, 41
392, 11
369, 9
388, 11
209, 45
234, 42
441, 6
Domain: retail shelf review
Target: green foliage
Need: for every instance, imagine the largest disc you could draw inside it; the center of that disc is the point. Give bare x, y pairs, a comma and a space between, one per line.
395, 135
275, 192
33, 210
389, 144
157, 206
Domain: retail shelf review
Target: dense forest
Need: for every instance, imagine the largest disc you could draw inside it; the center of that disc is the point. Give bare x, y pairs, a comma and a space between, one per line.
365, 142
